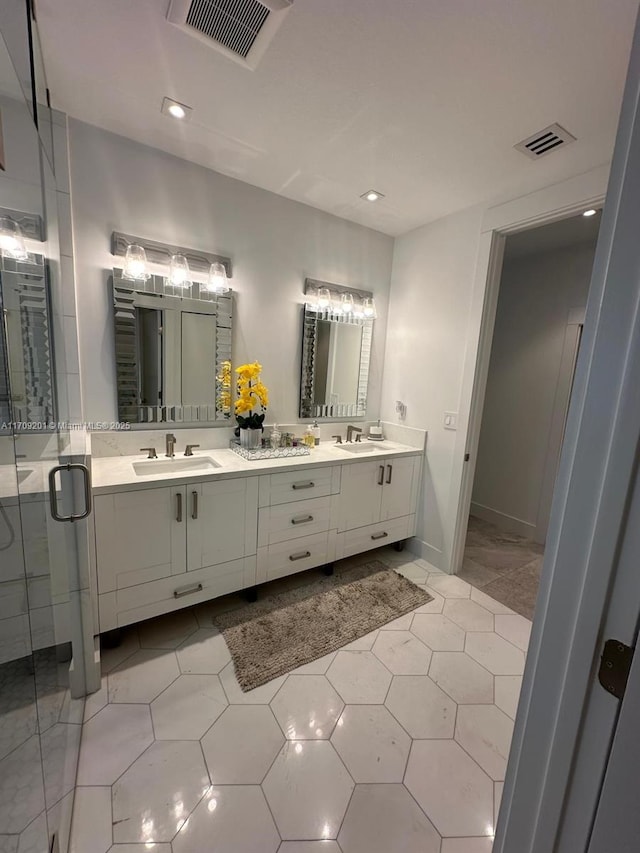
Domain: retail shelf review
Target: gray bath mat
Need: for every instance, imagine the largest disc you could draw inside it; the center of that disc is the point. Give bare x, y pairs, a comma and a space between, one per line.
284, 631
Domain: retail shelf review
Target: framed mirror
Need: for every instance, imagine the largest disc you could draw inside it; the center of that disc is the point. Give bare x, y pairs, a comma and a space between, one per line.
173, 351
27, 386
336, 351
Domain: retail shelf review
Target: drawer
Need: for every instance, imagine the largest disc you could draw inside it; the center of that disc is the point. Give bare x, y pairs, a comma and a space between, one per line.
292, 520
373, 536
299, 485
126, 606
295, 555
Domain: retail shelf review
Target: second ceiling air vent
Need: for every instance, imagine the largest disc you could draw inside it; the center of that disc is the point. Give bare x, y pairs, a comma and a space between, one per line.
545, 141
240, 29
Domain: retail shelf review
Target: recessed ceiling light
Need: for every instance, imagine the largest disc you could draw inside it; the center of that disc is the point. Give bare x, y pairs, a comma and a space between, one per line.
372, 195
175, 109
591, 212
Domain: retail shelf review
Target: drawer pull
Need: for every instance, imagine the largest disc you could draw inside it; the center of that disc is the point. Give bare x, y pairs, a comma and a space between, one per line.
187, 590
179, 506
302, 556
194, 512
382, 535
381, 475
308, 485
389, 473
303, 519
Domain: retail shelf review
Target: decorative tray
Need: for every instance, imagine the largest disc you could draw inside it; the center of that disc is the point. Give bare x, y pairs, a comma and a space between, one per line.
268, 452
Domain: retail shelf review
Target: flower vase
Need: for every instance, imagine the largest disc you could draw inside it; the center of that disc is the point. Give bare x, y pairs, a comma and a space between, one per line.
250, 438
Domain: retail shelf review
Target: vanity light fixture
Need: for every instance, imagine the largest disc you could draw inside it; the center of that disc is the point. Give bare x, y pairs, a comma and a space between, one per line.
175, 109
323, 298
369, 308
179, 273
217, 281
372, 195
347, 304
135, 264
591, 212
12, 242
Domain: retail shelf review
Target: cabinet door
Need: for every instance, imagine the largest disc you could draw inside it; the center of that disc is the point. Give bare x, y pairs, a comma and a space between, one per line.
222, 521
140, 536
360, 494
397, 494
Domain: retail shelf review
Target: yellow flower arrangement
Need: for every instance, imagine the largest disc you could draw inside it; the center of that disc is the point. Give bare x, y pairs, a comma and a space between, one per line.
251, 393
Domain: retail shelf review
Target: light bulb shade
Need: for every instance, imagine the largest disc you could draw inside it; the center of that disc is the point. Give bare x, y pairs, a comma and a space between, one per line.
135, 263
179, 272
369, 308
12, 240
324, 298
347, 304
217, 281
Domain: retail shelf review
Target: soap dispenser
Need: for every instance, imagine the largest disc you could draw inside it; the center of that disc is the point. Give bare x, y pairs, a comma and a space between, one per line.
309, 438
375, 432
316, 433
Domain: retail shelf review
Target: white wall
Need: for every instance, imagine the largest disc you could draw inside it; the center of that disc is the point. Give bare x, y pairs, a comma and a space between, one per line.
438, 291
274, 243
428, 323
537, 294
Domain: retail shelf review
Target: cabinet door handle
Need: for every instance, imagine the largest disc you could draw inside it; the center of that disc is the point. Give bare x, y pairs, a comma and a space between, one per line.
308, 485
382, 535
302, 519
194, 512
187, 590
389, 473
179, 506
302, 556
381, 475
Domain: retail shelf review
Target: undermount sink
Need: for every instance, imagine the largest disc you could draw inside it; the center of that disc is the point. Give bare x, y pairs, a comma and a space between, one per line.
359, 448
175, 465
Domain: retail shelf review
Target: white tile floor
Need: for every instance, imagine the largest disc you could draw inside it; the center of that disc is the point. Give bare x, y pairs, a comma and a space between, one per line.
398, 742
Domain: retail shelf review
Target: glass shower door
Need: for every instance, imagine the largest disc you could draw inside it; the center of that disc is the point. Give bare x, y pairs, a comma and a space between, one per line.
43, 575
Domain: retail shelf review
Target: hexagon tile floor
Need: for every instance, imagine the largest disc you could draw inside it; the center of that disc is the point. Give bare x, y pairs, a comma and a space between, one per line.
397, 742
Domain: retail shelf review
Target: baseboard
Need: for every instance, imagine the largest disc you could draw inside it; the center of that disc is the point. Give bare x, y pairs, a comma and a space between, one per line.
505, 522
426, 552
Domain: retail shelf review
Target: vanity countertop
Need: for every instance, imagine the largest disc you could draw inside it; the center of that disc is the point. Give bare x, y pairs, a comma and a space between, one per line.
116, 473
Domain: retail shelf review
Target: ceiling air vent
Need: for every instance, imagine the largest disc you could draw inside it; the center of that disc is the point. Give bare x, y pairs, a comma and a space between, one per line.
545, 141
240, 29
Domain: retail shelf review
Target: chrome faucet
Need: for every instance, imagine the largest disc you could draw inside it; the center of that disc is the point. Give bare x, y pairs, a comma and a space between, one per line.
171, 445
350, 432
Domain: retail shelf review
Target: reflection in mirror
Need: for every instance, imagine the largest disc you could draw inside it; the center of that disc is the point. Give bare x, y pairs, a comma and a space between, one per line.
336, 350
172, 348
26, 363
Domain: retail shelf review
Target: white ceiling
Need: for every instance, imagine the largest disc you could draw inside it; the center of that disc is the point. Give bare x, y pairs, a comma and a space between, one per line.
574, 231
420, 99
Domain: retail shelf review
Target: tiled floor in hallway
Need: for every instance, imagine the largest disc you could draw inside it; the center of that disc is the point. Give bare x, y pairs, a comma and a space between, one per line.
397, 742
503, 565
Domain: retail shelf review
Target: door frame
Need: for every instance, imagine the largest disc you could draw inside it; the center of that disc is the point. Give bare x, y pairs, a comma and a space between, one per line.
566, 721
544, 207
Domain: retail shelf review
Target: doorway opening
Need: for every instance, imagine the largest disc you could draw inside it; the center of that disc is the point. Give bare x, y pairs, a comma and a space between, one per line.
542, 296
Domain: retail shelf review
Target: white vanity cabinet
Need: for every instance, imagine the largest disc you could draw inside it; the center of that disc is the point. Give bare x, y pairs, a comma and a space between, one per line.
297, 521
168, 546
377, 503
162, 548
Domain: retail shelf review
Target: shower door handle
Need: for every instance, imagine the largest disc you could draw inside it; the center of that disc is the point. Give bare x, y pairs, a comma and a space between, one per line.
53, 495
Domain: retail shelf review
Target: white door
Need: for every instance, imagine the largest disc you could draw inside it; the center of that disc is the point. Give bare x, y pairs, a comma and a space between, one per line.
222, 521
140, 537
566, 790
397, 492
361, 494
617, 825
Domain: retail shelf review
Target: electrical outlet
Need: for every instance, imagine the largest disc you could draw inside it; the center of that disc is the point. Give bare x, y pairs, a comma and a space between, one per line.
401, 409
451, 420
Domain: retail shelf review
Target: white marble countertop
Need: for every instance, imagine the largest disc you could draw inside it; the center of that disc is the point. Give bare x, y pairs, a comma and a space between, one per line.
116, 474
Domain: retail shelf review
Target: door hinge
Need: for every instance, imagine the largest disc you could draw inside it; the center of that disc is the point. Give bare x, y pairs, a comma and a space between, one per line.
467, 457
615, 665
